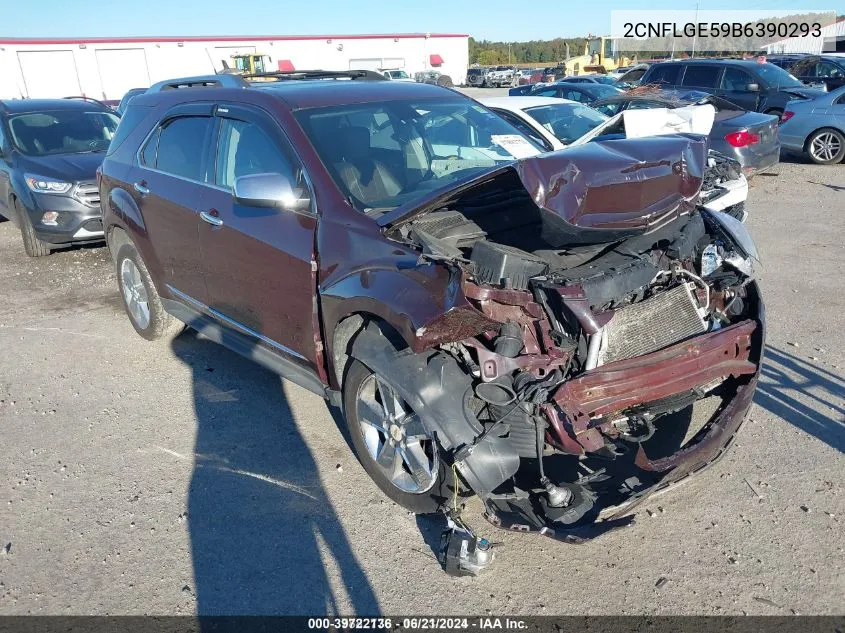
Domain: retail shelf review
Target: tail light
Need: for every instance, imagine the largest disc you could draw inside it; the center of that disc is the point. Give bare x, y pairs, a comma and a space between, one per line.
786, 116
742, 139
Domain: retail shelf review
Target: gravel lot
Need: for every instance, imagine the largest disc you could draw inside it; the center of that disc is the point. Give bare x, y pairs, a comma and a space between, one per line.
178, 478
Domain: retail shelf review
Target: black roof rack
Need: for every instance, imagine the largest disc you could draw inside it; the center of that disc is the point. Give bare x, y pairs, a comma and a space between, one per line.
279, 75
233, 80
91, 99
222, 80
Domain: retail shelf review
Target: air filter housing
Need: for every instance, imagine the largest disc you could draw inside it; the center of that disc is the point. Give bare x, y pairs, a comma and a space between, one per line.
496, 265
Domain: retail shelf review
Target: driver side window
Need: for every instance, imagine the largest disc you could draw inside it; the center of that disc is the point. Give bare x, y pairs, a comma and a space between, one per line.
243, 149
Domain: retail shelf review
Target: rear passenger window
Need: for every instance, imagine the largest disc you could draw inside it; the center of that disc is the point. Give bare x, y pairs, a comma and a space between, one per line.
701, 76
667, 74
180, 146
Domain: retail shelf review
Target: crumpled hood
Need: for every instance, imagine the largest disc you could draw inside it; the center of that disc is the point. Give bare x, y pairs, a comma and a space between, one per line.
806, 93
617, 187
64, 167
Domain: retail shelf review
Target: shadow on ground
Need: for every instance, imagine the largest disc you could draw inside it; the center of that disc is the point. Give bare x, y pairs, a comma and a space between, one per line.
264, 536
803, 394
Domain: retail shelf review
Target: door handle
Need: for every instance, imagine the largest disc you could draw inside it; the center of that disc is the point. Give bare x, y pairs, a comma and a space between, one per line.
141, 187
211, 219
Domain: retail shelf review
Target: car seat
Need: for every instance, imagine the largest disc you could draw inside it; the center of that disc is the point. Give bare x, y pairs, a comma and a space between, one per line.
366, 178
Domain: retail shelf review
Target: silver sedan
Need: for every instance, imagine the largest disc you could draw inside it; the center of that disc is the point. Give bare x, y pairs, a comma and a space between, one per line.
816, 127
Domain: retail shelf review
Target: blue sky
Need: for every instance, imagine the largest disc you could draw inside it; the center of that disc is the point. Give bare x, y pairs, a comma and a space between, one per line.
493, 19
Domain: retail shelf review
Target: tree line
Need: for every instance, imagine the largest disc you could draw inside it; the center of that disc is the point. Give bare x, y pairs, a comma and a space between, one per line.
549, 52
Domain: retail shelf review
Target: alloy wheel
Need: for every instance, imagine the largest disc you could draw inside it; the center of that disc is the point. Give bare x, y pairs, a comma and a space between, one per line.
826, 146
135, 294
395, 437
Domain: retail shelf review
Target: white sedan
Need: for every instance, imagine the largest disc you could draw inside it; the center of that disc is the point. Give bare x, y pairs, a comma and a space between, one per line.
553, 123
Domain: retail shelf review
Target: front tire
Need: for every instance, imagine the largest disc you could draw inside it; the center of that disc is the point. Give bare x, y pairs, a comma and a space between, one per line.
31, 244
392, 444
826, 146
140, 297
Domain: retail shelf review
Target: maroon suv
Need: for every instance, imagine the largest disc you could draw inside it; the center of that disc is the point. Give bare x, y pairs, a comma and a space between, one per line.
530, 328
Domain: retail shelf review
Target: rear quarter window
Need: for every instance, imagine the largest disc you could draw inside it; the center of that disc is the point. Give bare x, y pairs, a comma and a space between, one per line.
133, 116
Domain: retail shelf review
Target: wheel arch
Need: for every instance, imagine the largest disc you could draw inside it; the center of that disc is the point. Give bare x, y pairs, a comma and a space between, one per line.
344, 335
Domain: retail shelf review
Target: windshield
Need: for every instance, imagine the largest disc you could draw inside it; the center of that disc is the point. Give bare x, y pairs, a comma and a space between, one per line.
62, 131
601, 91
778, 77
398, 74
567, 121
383, 155
609, 81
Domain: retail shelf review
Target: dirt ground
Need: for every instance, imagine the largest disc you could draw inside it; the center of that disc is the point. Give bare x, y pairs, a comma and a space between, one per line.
141, 478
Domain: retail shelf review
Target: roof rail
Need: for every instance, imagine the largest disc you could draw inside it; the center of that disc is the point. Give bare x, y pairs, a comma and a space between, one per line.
222, 80
365, 75
91, 99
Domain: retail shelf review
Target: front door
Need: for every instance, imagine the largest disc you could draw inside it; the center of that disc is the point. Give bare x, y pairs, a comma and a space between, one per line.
258, 261
734, 88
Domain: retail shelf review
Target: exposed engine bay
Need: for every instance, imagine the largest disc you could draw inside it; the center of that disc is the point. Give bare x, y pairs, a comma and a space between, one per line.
603, 325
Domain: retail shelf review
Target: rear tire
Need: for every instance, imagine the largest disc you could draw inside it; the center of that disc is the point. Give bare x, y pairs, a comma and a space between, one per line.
775, 112
141, 299
31, 244
359, 385
826, 146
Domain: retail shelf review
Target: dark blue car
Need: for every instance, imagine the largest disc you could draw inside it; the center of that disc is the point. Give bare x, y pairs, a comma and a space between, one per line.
49, 154
582, 93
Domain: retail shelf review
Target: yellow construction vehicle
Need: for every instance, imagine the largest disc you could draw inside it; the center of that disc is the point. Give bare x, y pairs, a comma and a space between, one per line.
602, 57
248, 64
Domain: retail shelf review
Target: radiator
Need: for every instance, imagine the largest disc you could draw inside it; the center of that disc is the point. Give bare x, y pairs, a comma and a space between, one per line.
653, 324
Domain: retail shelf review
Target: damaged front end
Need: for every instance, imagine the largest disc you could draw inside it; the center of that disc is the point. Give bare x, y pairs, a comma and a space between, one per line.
613, 301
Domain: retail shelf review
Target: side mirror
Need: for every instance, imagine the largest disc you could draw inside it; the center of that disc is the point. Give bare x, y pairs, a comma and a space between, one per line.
269, 191
753, 87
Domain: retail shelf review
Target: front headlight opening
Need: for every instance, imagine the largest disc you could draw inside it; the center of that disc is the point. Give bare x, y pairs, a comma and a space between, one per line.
47, 185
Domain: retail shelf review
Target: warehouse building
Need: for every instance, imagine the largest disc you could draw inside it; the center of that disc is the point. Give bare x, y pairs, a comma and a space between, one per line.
105, 68
832, 38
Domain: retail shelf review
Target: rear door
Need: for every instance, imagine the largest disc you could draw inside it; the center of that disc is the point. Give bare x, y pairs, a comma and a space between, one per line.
258, 261
734, 88
169, 186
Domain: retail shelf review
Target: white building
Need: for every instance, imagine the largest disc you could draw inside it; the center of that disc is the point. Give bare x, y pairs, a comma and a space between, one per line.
833, 35
105, 68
